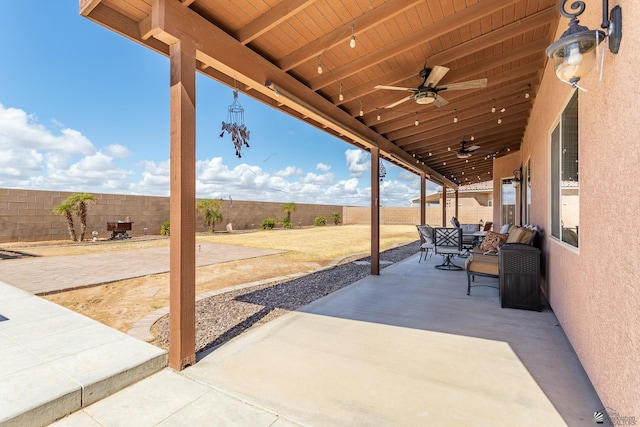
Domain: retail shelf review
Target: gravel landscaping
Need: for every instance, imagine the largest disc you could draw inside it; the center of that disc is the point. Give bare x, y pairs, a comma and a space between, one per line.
222, 317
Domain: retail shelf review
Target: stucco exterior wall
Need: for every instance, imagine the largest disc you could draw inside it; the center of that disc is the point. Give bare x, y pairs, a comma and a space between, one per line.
503, 168
595, 290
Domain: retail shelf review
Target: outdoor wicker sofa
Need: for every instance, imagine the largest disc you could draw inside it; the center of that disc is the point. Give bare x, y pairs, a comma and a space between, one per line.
484, 260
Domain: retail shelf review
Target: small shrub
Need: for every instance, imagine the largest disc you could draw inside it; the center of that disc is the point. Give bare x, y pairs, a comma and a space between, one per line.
320, 220
268, 224
286, 223
336, 218
165, 229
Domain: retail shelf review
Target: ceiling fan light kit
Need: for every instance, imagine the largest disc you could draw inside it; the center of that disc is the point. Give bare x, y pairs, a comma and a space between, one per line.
574, 53
428, 91
425, 98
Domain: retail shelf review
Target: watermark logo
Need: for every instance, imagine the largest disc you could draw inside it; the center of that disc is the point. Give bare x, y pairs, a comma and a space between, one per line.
611, 417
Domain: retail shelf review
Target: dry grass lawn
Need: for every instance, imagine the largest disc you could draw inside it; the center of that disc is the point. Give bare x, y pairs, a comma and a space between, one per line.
120, 304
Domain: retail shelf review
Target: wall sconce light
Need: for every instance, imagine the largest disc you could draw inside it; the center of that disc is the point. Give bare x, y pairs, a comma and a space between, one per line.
516, 178
574, 54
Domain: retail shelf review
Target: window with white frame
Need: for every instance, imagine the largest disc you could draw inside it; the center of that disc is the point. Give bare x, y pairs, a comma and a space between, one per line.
565, 201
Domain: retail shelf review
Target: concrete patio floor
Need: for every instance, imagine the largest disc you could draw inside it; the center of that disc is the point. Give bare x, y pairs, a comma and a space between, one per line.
408, 347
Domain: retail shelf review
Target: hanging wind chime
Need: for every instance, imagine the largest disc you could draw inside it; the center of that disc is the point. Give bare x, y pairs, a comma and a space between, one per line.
235, 125
383, 171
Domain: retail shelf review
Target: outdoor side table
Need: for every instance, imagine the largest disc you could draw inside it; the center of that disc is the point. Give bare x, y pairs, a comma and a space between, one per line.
519, 276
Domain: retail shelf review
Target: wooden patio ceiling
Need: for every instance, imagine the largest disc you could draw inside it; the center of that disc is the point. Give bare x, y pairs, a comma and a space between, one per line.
254, 42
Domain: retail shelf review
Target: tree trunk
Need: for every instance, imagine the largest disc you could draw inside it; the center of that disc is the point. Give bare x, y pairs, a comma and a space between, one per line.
82, 211
72, 232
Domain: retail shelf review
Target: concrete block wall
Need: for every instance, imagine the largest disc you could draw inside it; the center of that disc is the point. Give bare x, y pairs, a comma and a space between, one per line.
26, 215
247, 215
470, 214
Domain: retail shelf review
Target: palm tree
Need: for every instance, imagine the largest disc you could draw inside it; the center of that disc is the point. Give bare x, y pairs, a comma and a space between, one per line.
79, 202
210, 209
288, 208
65, 208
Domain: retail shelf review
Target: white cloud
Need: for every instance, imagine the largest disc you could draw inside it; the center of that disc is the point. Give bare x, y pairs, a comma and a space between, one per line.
322, 167
117, 151
358, 162
17, 129
322, 179
32, 156
289, 171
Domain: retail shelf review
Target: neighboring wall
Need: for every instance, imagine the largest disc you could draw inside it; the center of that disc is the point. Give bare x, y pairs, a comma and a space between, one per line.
469, 212
595, 290
25, 215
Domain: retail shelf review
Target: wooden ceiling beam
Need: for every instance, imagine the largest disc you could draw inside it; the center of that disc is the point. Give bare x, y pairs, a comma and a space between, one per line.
438, 29
461, 103
367, 21
274, 17
426, 143
453, 76
468, 121
488, 147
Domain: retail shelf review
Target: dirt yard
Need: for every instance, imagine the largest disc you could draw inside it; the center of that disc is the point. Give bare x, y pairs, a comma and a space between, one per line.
120, 304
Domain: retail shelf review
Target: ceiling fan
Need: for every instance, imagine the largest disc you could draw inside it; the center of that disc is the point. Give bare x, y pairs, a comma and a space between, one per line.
427, 92
465, 152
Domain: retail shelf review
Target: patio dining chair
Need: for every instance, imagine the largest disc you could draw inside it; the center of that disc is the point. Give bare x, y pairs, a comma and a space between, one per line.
426, 240
448, 243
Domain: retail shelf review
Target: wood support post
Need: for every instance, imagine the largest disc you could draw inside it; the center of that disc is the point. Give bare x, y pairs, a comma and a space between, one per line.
444, 205
423, 199
456, 209
182, 325
375, 211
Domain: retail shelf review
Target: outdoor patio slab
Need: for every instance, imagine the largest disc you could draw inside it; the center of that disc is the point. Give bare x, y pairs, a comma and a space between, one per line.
55, 361
408, 347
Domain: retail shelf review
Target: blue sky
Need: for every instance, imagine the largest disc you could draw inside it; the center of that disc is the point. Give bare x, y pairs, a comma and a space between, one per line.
85, 109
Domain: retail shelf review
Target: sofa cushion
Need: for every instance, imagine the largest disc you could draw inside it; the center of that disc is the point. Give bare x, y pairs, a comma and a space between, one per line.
492, 241
514, 234
526, 236
475, 265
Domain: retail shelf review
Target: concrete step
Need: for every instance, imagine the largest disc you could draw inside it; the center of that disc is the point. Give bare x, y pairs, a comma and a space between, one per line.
55, 361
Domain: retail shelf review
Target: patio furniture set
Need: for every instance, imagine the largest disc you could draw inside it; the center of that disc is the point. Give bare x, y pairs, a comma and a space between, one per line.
509, 255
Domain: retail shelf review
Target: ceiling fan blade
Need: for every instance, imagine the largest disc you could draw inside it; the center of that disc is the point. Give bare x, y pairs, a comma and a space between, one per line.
440, 101
471, 84
473, 148
405, 89
436, 74
399, 102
